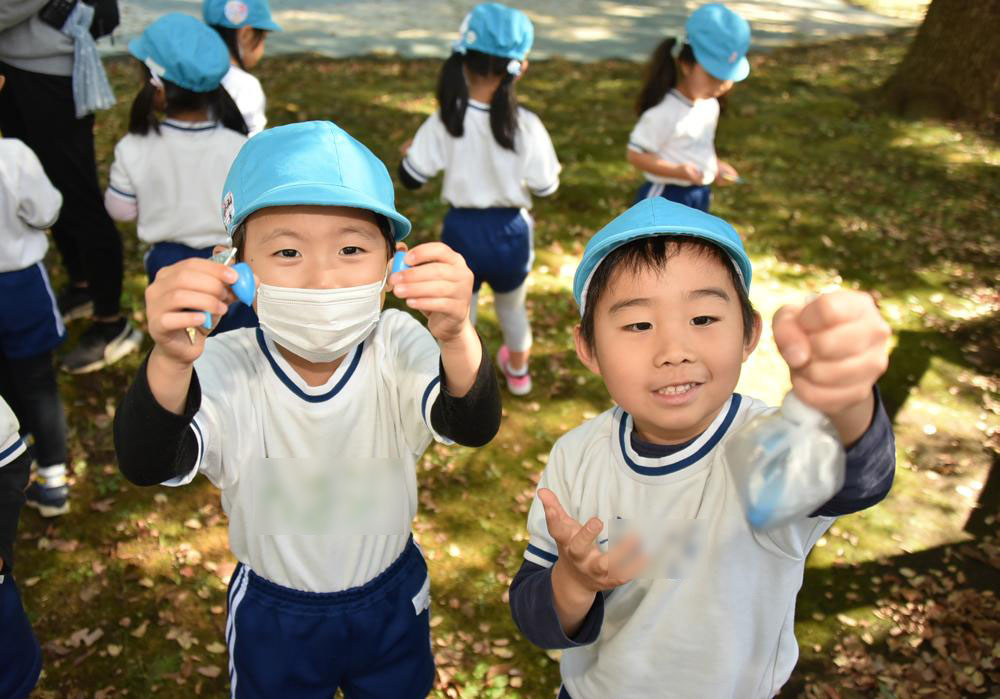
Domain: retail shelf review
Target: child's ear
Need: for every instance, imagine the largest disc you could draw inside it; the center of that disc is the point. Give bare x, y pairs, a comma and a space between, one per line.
584, 352
751, 345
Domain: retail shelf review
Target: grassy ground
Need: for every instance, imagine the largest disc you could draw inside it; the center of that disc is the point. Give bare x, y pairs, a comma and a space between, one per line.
128, 591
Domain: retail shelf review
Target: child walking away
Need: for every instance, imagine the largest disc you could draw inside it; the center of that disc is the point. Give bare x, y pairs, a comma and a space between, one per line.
673, 145
20, 654
494, 155
641, 562
30, 323
168, 174
312, 424
243, 25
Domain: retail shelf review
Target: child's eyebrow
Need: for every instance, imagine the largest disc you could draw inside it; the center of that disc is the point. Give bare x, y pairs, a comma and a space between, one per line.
279, 232
711, 291
629, 303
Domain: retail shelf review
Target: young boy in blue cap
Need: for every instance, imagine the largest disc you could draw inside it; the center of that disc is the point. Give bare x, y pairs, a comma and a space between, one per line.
666, 287
312, 424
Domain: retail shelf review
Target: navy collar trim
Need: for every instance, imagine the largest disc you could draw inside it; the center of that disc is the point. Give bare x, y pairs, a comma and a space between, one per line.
479, 106
294, 388
680, 95
190, 125
670, 464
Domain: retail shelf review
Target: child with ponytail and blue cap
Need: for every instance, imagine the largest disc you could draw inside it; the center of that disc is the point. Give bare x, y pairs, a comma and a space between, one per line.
312, 424
495, 155
641, 563
168, 172
243, 26
673, 144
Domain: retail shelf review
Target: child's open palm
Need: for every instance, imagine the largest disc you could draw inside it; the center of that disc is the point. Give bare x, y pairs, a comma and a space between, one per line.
581, 561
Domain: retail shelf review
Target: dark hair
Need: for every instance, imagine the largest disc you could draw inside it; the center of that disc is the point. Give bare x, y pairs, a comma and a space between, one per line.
239, 237
661, 73
453, 94
228, 35
653, 253
142, 118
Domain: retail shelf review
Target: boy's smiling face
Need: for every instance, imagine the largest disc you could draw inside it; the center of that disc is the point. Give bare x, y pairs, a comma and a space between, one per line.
669, 344
315, 247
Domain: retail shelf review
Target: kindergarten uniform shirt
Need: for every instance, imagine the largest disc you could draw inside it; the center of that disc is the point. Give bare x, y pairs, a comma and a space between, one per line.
262, 431
478, 172
176, 179
715, 619
28, 205
248, 95
679, 131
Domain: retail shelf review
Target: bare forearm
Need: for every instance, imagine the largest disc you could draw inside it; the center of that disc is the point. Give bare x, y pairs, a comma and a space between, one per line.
852, 423
572, 602
654, 165
168, 381
461, 358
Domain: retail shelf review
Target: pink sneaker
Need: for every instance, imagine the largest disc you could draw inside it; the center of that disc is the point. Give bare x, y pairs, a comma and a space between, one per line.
518, 385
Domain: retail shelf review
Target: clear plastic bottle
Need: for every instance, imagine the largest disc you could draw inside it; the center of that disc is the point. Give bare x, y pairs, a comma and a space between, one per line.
786, 464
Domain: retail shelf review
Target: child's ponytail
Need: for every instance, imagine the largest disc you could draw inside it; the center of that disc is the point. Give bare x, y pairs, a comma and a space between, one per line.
453, 94
142, 117
503, 113
226, 111
661, 73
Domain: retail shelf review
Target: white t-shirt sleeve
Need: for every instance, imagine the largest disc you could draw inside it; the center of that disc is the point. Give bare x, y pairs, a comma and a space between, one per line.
541, 169
119, 181
38, 201
542, 549
224, 376
248, 94
427, 154
11, 444
416, 370
652, 131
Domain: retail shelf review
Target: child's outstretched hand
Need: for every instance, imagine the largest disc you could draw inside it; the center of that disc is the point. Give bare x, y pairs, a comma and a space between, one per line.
178, 299
836, 349
439, 285
582, 570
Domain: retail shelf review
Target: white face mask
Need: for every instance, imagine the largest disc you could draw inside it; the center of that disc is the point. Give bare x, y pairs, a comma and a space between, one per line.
320, 325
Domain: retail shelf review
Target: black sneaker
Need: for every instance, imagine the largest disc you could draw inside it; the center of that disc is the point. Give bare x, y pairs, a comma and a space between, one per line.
102, 344
49, 500
75, 302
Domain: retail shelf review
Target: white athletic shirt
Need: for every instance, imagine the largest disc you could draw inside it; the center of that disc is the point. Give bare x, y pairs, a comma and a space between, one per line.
679, 131
175, 179
11, 444
28, 205
248, 95
478, 172
258, 414
725, 627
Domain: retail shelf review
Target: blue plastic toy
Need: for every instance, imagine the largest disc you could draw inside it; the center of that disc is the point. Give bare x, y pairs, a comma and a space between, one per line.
398, 262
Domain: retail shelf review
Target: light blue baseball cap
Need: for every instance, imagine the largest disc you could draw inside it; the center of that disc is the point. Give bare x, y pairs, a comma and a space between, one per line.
308, 163
497, 30
239, 13
181, 49
656, 217
720, 39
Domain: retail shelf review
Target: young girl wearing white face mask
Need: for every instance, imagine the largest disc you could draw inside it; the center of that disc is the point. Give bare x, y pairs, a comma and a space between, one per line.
278, 416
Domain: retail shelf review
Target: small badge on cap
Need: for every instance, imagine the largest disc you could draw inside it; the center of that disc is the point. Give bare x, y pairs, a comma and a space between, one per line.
228, 209
236, 11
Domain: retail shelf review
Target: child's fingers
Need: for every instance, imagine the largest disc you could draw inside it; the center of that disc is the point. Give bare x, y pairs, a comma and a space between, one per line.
834, 308
449, 307
582, 542
186, 299
630, 571
830, 400
225, 274
792, 341
433, 252
848, 339
622, 553
180, 320
865, 367
560, 525
431, 289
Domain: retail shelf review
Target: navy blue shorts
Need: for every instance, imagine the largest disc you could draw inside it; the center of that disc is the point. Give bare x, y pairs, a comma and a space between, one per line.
372, 641
697, 197
20, 655
162, 255
496, 244
30, 321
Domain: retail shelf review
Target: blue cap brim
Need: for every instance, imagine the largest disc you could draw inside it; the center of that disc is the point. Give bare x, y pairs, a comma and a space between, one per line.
322, 194
728, 71
135, 49
267, 25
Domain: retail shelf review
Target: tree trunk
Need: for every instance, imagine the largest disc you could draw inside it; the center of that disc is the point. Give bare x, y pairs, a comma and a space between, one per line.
952, 69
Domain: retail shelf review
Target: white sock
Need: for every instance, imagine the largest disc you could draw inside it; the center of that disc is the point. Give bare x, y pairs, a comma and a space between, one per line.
517, 372
52, 476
